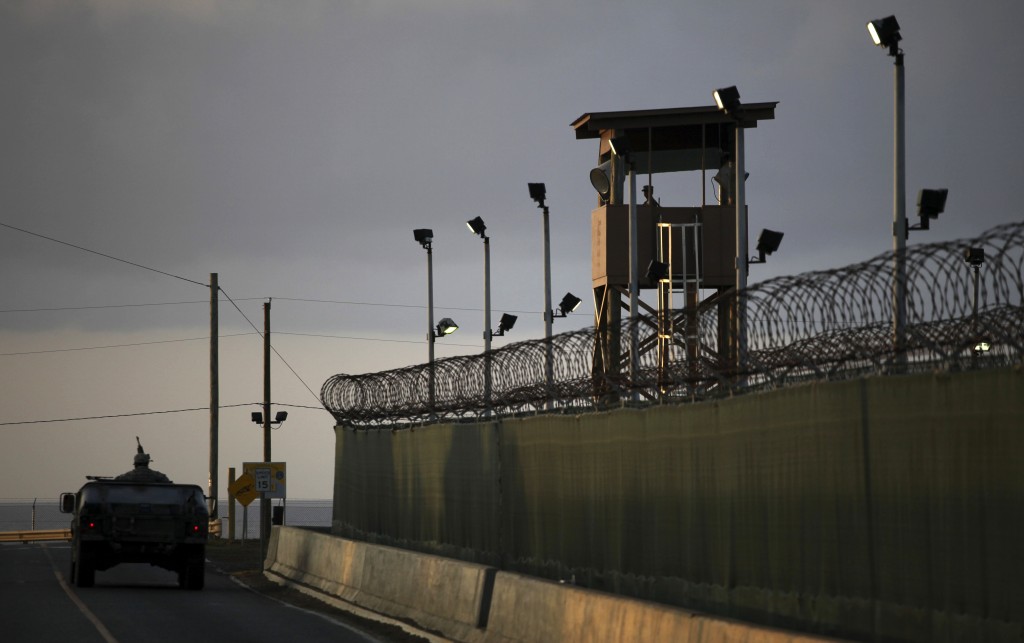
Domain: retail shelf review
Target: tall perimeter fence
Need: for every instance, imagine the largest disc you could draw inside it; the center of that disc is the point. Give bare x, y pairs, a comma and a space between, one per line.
861, 507
817, 326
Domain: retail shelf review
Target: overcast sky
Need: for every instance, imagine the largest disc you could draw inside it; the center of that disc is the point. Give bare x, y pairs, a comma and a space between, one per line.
292, 147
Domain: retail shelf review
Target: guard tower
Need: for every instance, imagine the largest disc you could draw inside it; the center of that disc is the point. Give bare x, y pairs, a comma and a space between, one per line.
685, 253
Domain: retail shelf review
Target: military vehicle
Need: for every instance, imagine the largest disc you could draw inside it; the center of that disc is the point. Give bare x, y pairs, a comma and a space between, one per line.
138, 517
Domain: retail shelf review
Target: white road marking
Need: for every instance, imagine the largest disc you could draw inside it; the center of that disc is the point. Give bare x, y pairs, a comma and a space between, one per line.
96, 622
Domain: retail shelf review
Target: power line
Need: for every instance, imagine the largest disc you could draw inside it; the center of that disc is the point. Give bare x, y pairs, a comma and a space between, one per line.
281, 357
300, 299
194, 339
370, 339
300, 406
130, 263
161, 303
419, 306
125, 415
93, 348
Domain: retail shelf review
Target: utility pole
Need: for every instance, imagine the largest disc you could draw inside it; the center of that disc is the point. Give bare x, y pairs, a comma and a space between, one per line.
264, 501
214, 396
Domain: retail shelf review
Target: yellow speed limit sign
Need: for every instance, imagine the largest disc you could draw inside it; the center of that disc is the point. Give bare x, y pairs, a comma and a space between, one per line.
268, 478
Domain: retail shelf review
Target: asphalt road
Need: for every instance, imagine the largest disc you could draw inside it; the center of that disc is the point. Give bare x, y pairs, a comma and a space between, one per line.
138, 602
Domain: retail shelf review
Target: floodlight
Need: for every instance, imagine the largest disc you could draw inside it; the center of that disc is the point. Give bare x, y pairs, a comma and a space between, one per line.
537, 192
424, 236
931, 203
568, 304
657, 271
767, 243
599, 179
446, 327
728, 100
257, 417
974, 256
620, 146
280, 417
476, 226
885, 32
505, 324
507, 321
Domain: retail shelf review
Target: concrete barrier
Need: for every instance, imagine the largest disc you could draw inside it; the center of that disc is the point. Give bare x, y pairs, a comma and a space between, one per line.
530, 609
437, 594
477, 604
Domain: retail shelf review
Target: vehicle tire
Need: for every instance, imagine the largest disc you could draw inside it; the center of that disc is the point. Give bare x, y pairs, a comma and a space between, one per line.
85, 574
71, 574
196, 575
192, 575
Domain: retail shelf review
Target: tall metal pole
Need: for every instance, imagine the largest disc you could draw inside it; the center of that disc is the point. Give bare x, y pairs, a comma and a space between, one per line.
741, 251
487, 322
549, 376
976, 340
430, 325
634, 290
899, 226
214, 396
974, 308
264, 502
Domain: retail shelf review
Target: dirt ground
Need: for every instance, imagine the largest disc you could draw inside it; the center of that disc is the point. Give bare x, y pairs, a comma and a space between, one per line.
241, 560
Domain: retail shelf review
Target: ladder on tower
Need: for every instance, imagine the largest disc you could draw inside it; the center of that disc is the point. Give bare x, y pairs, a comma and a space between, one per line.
679, 248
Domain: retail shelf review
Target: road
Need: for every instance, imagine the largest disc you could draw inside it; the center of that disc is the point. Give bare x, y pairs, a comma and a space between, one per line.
142, 603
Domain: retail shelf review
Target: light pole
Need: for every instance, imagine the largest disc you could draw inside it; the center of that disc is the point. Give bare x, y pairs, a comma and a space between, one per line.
975, 258
885, 32
263, 418
538, 193
728, 100
477, 227
620, 146
425, 238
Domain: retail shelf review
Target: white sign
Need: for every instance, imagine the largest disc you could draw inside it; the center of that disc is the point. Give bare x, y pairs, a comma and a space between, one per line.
268, 478
262, 477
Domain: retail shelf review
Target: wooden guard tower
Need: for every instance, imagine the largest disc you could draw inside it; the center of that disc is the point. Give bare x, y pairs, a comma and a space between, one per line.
694, 249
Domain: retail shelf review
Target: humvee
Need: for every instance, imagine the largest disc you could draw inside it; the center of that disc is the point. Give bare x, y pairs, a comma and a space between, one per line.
138, 517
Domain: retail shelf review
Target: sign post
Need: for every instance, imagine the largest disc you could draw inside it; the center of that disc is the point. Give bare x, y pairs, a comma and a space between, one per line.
268, 481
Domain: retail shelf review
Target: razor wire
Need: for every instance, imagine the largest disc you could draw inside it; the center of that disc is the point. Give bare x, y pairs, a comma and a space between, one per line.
822, 325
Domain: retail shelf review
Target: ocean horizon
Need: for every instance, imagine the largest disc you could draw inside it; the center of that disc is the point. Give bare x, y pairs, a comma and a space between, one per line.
23, 514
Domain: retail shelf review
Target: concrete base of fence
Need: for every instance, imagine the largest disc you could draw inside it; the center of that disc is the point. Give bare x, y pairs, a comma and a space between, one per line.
438, 594
478, 604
